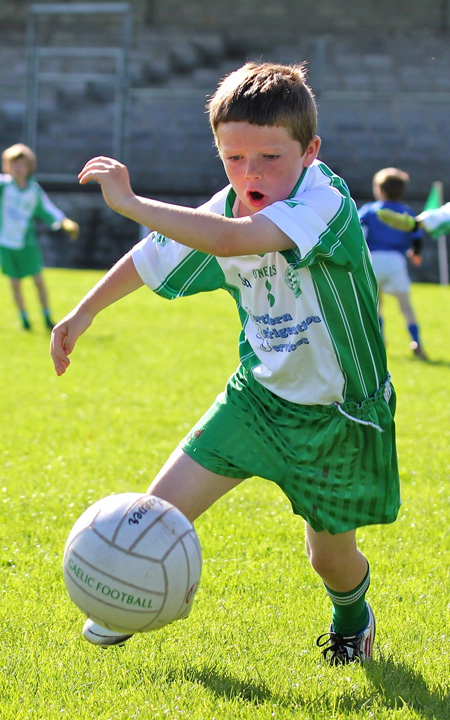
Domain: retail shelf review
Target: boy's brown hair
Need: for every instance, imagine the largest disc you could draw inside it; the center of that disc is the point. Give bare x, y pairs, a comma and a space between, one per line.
392, 182
267, 94
14, 153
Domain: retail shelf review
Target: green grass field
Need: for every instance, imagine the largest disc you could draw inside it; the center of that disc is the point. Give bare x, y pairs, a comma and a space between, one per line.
139, 379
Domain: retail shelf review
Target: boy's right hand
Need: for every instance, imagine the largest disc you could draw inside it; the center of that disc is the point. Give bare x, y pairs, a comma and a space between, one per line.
71, 228
65, 335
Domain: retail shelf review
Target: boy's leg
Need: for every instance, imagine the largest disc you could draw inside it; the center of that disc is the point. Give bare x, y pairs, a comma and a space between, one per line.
406, 307
17, 294
345, 573
413, 328
189, 486
42, 290
16, 288
43, 299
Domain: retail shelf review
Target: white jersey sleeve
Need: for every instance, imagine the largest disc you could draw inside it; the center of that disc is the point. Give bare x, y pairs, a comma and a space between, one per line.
436, 222
320, 218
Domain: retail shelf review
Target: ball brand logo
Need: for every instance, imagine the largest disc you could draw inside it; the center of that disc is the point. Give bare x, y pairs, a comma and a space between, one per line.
106, 590
140, 511
81, 574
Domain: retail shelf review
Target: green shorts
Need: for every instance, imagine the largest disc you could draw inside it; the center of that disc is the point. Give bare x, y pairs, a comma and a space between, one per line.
21, 263
338, 474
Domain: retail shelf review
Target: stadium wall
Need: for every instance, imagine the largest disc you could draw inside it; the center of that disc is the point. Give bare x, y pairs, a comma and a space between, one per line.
284, 15
379, 71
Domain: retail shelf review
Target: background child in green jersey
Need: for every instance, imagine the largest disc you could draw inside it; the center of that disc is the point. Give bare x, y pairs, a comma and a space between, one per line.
310, 406
22, 200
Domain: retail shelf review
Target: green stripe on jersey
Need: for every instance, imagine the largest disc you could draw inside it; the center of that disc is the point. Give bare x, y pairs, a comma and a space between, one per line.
349, 312
346, 221
198, 272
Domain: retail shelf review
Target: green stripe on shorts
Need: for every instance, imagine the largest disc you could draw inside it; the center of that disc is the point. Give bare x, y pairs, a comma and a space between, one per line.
338, 474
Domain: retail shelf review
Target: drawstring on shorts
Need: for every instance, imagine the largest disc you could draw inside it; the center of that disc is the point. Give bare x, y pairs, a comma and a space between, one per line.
357, 420
387, 392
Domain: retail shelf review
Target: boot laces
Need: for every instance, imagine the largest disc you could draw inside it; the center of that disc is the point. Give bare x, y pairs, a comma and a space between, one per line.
341, 649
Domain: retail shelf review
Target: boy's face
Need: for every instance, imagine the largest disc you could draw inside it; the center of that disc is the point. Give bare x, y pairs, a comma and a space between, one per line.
263, 162
19, 169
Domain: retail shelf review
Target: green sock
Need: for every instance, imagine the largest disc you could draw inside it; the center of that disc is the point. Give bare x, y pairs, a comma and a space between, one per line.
350, 614
25, 319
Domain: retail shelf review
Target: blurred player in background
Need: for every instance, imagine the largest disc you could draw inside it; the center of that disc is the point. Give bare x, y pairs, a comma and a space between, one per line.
22, 200
391, 246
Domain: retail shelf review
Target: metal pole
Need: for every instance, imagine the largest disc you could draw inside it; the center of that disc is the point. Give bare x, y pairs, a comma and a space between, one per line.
123, 84
32, 82
444, 19
443, 260
442, 242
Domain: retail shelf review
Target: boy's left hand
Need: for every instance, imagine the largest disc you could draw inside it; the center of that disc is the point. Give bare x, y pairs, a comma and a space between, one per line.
71, 228
113, 178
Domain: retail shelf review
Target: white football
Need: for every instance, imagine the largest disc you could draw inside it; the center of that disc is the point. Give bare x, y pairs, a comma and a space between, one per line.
132, 563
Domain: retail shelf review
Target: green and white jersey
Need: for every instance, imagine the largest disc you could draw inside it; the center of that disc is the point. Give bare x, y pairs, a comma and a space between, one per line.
310, 330
18, 210
436, 222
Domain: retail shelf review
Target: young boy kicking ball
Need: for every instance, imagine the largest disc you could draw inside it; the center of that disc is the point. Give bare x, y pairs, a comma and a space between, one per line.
310, 406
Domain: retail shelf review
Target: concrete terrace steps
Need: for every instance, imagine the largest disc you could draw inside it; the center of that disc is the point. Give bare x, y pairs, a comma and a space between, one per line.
377, 94
346, 62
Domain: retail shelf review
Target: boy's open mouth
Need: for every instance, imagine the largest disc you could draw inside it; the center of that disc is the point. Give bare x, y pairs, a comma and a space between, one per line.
255, 195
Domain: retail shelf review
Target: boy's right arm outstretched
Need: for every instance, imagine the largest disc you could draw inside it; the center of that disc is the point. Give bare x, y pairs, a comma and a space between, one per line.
121, 280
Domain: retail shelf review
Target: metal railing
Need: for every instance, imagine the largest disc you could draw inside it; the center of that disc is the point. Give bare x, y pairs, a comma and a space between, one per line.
37, 76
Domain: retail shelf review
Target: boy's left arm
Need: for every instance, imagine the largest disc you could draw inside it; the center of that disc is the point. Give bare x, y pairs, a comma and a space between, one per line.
207, 232
47, 211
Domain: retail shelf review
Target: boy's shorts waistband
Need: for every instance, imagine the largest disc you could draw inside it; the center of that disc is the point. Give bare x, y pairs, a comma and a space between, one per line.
383, 393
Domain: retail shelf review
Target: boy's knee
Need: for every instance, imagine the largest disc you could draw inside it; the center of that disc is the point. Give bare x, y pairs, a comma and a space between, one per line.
325, 563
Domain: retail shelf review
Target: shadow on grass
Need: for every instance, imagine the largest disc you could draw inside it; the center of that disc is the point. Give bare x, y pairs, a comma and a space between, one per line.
400, 686
412, 361
223, 684
395, 686
434, 363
